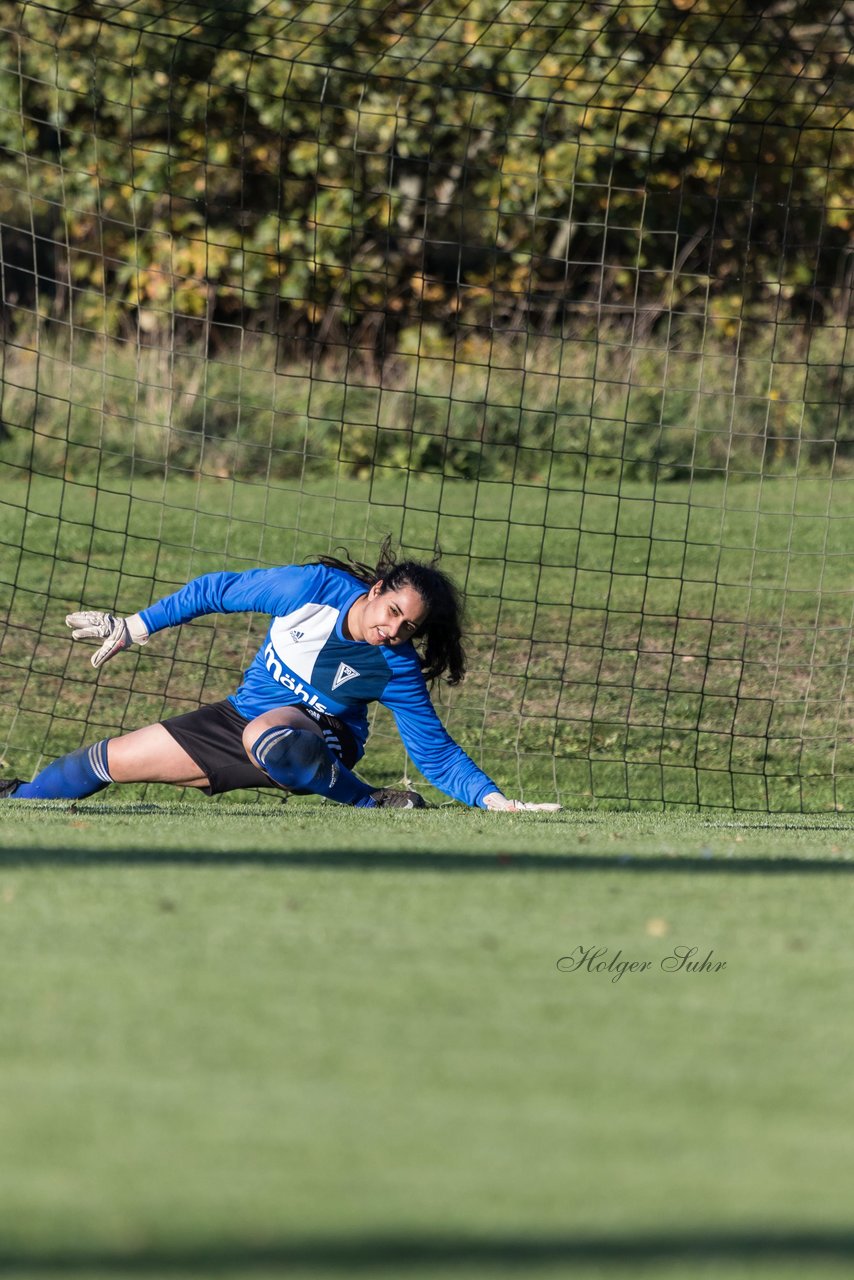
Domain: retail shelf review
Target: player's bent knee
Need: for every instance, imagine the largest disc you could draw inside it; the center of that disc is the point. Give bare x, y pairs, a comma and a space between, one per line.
292, 757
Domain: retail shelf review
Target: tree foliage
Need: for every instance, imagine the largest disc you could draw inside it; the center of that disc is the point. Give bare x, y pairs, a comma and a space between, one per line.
347, 174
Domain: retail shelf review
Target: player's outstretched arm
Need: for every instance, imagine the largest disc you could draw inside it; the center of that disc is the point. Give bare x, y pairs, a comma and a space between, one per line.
500, 804
116, 633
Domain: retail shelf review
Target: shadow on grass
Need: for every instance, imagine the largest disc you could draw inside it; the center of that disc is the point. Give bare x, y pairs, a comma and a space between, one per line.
334, 859
410, 1255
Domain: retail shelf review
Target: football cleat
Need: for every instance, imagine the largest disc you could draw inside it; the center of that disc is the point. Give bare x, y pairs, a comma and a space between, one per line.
8, 787
388, 799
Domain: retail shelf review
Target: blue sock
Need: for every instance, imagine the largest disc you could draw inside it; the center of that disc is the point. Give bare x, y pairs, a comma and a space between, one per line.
72, 777
301, 761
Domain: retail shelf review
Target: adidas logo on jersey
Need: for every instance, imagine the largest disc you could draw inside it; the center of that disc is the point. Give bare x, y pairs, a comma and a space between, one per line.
297, 635
343, 674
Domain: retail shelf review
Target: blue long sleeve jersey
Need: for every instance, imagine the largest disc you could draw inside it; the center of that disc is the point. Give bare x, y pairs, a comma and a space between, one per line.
306, 660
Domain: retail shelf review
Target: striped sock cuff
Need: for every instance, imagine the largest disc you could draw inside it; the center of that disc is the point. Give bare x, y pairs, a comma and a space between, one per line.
97, 758
267, 740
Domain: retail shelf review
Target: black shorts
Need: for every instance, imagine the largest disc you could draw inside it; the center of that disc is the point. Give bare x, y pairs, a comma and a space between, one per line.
213, 738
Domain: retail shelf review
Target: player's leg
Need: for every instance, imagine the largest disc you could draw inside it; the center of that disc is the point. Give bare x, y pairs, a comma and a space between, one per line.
144, 755
217, 750
152, 754
289, 746
293, 749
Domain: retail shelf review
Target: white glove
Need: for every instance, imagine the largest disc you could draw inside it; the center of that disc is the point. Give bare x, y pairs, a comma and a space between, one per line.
116, 633
499, 803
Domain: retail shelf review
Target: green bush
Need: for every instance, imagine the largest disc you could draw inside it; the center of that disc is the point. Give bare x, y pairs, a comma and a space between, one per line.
542, 413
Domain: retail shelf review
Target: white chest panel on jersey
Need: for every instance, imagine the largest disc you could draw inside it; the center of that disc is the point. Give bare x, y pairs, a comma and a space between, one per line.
298, 637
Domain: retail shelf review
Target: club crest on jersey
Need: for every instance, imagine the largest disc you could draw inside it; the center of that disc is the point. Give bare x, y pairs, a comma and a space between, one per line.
343, 674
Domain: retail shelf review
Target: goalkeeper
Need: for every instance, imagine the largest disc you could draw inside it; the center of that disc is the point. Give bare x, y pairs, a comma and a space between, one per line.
342, 635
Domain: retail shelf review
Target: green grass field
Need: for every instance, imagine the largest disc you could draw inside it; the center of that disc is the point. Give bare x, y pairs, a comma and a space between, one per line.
250, 1039
306, 1041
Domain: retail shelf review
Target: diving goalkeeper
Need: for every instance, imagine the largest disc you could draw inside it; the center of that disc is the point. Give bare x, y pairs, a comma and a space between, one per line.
342, 635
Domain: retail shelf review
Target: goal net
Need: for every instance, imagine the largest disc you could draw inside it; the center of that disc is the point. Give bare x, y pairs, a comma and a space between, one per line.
560, 289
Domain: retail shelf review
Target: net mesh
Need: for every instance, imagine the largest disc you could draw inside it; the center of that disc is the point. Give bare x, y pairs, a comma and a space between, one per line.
561, 289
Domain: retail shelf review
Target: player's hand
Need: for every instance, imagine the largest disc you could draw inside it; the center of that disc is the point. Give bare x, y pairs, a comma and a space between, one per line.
498, 803
116, 633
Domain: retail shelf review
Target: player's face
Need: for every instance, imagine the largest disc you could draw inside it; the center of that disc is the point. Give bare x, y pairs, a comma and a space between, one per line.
392, 617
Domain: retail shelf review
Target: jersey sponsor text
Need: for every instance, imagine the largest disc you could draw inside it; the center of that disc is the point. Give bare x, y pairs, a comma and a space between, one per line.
285, 678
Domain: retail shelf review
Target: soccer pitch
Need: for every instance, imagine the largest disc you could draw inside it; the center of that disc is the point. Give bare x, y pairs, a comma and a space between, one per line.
262, 1040
255, 1039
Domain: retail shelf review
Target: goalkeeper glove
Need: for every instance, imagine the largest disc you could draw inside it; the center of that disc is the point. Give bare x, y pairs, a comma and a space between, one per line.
499, 803
116, 633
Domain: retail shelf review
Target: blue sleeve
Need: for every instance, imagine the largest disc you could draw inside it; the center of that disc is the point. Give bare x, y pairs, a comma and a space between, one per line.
431, 747
270, 591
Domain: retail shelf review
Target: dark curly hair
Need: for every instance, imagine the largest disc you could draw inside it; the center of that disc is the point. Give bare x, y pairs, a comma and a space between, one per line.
439, 638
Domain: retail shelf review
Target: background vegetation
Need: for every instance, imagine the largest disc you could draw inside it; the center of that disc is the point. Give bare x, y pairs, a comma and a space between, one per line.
547, 412
607, 237
341, 173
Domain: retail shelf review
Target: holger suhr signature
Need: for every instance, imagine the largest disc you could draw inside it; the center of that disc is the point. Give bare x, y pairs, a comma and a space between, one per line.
681, 959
